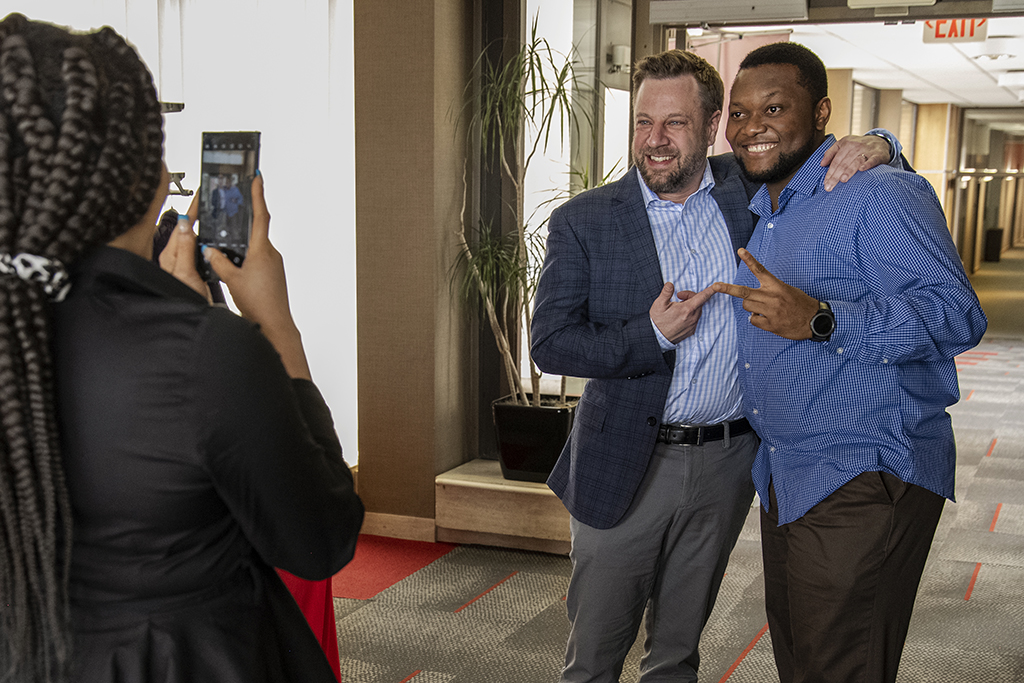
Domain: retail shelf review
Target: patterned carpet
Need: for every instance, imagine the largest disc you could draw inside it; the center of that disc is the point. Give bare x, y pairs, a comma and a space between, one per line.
486, 615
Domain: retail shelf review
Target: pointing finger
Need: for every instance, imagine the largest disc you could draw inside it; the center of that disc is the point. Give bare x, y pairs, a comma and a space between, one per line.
701, 297
738, 291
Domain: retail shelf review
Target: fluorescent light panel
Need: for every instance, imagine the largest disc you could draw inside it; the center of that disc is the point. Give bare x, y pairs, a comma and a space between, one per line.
1011, 79
869, 4
690, 11
1008, 5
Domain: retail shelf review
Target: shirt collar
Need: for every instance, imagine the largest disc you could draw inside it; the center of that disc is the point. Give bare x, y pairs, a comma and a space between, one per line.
808, 179
130, 272
707, 182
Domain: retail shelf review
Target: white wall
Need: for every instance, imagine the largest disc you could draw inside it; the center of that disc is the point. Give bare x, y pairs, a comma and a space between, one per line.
283, 67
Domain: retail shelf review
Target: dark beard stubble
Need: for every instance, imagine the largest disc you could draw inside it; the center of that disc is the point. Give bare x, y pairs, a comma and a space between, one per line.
787, 164
691, 165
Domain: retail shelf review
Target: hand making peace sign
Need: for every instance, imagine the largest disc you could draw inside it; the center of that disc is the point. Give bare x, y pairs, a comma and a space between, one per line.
774, 306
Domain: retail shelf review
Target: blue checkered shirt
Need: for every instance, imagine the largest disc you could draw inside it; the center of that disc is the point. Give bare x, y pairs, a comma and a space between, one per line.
695, 250
874, 397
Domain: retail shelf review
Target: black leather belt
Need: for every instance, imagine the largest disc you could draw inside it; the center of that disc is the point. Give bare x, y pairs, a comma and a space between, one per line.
698, 435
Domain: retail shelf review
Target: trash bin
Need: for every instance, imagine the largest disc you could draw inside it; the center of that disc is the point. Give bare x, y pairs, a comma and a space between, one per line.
993, 244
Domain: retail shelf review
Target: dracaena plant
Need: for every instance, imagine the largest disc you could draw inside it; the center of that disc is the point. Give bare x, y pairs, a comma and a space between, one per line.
522, 106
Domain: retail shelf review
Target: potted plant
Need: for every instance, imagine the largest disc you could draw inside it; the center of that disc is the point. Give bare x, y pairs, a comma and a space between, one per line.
519, 107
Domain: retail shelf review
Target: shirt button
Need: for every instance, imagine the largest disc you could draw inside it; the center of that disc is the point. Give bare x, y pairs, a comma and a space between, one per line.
746, 365
693, 381
693, 251
772, 449
770, 225
839, 350
755, 411
885, 360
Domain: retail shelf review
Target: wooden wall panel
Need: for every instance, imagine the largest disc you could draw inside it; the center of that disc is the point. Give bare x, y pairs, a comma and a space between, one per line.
414, 343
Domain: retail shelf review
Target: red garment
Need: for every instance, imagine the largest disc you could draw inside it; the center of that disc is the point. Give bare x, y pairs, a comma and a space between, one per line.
317, 604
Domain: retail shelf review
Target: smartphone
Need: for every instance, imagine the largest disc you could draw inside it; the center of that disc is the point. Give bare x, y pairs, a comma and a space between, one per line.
229, 164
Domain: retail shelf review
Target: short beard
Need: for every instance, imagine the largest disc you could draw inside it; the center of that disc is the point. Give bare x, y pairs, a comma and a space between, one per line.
786, 165
689, 166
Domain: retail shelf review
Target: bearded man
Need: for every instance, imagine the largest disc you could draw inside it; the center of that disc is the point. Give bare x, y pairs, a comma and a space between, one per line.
656, 471
850, 309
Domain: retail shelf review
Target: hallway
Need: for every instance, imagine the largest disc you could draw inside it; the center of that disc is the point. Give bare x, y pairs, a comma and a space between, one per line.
1000, 288
486, 615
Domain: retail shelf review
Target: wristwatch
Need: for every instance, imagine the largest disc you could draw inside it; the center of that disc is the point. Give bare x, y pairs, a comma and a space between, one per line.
823, 323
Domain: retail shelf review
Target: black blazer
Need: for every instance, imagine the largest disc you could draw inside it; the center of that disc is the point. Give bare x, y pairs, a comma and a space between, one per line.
194, 464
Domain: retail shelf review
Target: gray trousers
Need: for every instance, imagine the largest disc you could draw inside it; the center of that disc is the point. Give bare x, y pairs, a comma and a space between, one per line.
667, 554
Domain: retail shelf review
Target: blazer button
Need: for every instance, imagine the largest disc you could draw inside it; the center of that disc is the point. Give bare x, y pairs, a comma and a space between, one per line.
652, 421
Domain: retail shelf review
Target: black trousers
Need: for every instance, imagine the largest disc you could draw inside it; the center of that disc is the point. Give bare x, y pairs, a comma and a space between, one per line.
840, 582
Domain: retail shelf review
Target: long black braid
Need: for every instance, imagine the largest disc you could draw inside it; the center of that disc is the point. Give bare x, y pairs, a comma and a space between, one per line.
81, 143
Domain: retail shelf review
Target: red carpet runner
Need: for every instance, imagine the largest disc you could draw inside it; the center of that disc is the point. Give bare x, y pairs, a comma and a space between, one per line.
381, 562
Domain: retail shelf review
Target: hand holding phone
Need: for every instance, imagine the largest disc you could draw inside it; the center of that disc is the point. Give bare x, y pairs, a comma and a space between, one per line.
259, 290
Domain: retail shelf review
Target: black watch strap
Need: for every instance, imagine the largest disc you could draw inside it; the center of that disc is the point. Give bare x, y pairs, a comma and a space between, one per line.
823, 323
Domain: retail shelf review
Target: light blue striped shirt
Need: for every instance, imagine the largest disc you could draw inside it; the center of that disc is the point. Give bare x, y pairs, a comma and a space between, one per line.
695, 250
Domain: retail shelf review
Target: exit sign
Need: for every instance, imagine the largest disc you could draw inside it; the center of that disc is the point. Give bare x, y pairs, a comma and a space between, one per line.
955, 30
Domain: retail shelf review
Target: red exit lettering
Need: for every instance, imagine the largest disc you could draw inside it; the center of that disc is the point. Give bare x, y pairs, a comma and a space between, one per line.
955, 30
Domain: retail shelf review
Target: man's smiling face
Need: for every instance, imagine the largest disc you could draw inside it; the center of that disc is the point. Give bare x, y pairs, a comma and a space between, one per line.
671, 135
773, 125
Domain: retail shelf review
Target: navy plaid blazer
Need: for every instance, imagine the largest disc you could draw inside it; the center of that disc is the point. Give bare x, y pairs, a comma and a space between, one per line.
592, 319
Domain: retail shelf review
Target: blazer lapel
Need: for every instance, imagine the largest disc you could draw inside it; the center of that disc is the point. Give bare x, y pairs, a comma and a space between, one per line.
631, 218
731, 194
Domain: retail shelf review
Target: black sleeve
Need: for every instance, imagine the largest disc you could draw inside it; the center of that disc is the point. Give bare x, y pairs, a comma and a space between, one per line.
269, 444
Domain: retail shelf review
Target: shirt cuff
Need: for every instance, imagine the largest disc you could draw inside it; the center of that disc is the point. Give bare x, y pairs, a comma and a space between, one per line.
663, 341
894, 145
846, 338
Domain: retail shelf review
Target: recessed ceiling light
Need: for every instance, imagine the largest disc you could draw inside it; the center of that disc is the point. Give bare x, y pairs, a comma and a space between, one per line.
1011, 78
994, 57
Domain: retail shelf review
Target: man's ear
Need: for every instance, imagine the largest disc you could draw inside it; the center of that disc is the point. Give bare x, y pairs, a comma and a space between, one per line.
713, 122
822, 113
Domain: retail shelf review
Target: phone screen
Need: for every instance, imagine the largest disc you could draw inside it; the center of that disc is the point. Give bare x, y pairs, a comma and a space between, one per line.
229, 164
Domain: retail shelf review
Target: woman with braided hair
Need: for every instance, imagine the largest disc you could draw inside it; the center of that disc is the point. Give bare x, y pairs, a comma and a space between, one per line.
158, 455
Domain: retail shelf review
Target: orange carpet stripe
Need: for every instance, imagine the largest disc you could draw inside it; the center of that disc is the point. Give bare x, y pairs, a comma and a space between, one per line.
995, 517
991, 448
744, 654
970, 586
486, 592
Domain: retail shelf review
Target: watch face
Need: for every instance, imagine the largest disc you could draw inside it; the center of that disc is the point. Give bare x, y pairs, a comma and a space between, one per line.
822, 324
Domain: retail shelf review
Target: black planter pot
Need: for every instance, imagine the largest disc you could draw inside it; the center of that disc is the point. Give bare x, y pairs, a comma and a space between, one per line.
530, 438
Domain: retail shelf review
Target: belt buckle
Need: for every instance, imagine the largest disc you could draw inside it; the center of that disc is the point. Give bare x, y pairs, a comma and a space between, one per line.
700, 435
